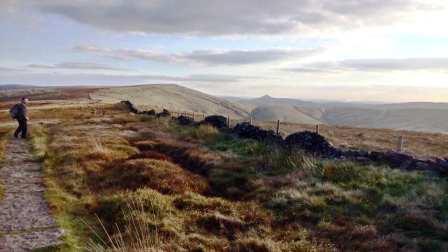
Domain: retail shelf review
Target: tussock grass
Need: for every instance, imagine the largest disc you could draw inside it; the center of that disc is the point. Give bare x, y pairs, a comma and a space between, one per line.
163, 176
203, 133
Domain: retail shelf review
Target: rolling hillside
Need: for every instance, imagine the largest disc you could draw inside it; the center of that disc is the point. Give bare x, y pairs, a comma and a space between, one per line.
427, 117
171, 97
284, 114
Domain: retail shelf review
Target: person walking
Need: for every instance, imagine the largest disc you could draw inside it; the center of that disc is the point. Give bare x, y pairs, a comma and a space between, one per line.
19, 113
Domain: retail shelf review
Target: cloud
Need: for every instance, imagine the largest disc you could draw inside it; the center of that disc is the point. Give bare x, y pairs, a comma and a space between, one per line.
8, 70
208, 57
217, 17
375, 65
238, 57
76, 66
113, 79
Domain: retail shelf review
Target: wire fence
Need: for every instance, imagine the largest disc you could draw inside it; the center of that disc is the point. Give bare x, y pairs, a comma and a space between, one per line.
282, 128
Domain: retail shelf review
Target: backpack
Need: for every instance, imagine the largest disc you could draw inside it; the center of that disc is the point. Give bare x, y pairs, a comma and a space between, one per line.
14, 111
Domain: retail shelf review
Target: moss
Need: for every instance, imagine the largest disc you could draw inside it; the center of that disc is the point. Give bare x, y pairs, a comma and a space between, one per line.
241, 147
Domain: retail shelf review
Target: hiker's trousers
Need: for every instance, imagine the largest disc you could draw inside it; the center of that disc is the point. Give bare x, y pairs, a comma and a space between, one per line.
22, 129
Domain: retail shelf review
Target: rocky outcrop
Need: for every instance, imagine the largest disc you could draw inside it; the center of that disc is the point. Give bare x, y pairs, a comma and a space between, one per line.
130, 106
312, 143
164, 113
216, 121
151, 112
246, 130
185, 120
398, 160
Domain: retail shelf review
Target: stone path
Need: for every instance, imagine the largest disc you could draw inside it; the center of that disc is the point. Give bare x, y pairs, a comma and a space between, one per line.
25, 220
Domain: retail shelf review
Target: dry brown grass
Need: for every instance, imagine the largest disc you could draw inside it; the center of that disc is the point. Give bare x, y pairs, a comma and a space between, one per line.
163, 176
98, 163
201, 190
4, 134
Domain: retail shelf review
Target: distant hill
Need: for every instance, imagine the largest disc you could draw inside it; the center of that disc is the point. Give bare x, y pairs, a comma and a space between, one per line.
171, 97
283, 113
14, 86
418, 116
417, 119
39, 93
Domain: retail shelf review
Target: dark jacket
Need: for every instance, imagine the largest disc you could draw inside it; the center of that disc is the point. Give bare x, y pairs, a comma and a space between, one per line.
21, 112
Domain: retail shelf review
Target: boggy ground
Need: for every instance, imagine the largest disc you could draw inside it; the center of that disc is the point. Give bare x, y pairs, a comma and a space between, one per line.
156, 185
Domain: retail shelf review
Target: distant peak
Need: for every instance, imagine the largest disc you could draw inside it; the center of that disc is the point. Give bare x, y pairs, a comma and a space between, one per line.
266, 97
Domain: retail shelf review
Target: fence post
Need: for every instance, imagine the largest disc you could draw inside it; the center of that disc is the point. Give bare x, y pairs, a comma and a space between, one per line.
250, 121
317, 128
228, 121
400, 144
278, 127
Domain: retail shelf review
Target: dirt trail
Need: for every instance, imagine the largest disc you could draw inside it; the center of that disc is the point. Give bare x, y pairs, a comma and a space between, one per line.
25, 220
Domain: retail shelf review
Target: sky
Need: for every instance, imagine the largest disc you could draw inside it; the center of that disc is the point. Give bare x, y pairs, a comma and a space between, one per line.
347, 50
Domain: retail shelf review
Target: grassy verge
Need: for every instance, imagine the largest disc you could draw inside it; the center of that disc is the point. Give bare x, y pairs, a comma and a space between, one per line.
66, 206
60, 203
4, 133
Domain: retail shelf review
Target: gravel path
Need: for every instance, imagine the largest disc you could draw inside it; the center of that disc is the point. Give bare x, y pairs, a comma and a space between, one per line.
25, 220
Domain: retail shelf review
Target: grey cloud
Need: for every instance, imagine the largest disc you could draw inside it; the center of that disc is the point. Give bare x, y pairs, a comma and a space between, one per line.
110, 79
209, 57
217, 17
8, 69
248, 57
76, 66
375, 65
